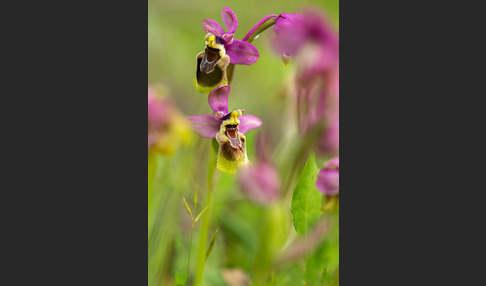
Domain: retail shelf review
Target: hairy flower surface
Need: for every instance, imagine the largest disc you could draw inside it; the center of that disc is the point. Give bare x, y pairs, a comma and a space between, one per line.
228, 128
166, 126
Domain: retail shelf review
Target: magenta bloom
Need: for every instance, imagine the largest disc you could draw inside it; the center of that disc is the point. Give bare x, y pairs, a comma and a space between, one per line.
328, 178
290, 34
260, 183
208, 125
329, 141
295, 31
240, 52
167, 128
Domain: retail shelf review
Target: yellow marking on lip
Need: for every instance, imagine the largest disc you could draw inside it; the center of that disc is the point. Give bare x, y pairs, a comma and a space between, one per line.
210, 41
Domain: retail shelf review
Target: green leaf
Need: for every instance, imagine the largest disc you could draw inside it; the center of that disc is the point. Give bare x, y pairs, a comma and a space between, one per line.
187, 207
211, 244
306, 199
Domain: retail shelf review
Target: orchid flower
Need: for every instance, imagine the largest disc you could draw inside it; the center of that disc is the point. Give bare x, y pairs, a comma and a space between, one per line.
240, 52
220, 51
228, 128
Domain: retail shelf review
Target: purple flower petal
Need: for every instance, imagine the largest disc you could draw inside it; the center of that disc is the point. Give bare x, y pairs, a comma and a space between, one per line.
329, 141
288, 21
228, 39
333, 163
205, 125
215, 27
257, 25
242, 53
248, 122
229, 19
328, 181
218, 99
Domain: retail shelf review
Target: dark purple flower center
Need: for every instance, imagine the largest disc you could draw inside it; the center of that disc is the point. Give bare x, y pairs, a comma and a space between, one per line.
211, 57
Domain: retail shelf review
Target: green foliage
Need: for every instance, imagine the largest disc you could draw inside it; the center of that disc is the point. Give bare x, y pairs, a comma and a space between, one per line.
321, 265
211, 244
306, 199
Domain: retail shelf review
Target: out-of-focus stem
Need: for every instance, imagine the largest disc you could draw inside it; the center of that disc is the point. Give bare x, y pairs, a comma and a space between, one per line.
189, 257
201, 251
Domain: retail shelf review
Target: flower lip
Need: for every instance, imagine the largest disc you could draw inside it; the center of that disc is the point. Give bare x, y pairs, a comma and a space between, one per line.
210, 59
232, 130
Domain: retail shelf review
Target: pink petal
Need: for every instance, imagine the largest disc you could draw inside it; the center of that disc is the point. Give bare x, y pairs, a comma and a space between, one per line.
228, 39
333, 163
257, 25
229, 19
215, 27
218, 99
328, 181
248, 122
205, 125
242, 53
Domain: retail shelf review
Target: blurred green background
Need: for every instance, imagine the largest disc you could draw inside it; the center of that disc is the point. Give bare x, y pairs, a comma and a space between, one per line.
175, 37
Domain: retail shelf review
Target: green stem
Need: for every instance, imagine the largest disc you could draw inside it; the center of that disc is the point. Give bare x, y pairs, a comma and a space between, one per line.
201, 251
189, 257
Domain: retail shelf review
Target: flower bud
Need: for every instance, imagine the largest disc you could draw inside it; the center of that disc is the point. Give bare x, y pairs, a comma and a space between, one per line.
328, 178
260, 183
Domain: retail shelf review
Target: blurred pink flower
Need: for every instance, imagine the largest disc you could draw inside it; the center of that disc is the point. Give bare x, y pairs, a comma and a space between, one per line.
166, 126
328, 178
290, 34
329, 140
260, 183
313, 44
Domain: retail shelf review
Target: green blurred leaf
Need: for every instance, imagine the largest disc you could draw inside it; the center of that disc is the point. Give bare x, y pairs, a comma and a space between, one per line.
322, 264
152, 168
195, 199
211, 244
306, 199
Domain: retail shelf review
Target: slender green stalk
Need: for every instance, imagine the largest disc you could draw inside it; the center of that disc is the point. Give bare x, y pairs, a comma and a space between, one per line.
201, 251
189, 257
